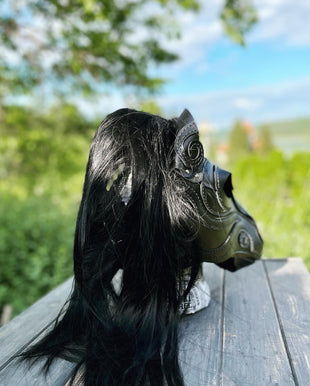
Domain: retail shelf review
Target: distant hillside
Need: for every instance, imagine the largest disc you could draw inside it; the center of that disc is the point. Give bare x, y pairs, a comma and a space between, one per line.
290, 135
302, 125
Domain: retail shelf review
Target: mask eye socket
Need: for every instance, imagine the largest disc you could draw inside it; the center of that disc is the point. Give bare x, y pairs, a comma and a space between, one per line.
228, 188
225, 182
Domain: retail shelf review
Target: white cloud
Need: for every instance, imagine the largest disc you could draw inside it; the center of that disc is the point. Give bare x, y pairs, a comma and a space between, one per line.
258, 104
284, 20
199, 32
287, 20
247, 103
100, 105
280, 20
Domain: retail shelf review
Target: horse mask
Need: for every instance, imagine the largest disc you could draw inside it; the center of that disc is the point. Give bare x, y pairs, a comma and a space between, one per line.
228, 235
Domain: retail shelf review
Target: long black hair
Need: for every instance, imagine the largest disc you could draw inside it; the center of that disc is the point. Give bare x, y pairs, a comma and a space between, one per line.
133, 216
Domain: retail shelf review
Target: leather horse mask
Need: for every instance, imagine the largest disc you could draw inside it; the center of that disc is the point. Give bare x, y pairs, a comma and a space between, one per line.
228, 235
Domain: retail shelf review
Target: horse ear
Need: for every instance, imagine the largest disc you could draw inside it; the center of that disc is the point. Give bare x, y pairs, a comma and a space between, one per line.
188, 149
185, 119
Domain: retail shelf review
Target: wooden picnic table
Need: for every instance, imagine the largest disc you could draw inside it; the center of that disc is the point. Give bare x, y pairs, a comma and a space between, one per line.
255, 331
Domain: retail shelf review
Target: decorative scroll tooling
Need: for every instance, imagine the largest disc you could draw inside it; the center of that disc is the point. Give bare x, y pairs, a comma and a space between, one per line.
193, 153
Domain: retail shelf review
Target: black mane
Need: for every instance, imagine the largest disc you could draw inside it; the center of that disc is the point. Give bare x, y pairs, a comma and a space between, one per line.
133, 215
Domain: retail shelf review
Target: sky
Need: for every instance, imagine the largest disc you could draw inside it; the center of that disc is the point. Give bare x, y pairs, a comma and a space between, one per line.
220, 81
269, 79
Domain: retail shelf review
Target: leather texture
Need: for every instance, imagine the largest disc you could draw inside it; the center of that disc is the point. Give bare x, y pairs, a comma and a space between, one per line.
228, 235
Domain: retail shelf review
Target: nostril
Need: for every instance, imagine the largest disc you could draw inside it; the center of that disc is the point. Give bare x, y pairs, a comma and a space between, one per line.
244, 240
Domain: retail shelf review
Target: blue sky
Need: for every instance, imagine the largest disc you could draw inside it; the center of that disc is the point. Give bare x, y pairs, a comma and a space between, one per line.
269, 79
219, 81
228, 66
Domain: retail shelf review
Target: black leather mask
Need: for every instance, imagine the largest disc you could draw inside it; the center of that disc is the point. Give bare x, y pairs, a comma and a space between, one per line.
228, 235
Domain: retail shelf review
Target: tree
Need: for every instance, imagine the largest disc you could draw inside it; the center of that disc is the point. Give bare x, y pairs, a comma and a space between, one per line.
238, 18
239, 144
265, 144
78, 45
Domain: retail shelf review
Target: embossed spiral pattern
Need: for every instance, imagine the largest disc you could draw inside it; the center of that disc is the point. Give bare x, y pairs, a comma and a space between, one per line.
194, 153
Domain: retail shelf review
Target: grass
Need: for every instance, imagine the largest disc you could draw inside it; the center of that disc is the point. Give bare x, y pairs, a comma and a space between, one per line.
276, 191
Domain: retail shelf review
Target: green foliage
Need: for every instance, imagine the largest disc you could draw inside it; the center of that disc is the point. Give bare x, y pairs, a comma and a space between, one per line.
74, 46
265, 144
43, 151
151, 107
86, 42
238, 17
42, 162
36, 237
276, 191
239, 144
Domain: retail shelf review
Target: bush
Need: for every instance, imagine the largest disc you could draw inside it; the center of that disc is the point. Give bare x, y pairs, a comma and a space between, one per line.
36, 238
276, 191
42, 161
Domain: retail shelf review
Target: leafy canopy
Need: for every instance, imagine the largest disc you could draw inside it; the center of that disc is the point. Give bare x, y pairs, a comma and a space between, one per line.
238, 17
76, 45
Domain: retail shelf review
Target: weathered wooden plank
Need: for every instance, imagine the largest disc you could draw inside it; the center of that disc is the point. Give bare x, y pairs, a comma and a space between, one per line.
290, 285
20, 374
254, 344
253, 348
25, 327
201, 336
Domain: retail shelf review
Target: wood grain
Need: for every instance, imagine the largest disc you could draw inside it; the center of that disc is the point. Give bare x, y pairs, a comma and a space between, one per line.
255, 331
290, 284
21, 375
201, 336
253, 350
24, 328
